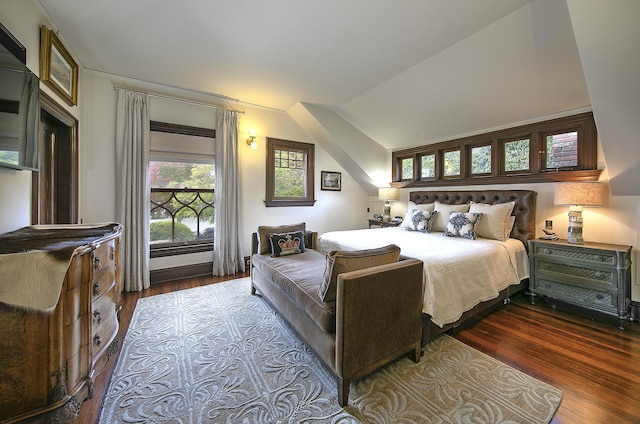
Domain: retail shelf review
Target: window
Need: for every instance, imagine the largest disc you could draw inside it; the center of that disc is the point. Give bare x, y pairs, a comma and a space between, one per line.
481, 160
290, 167
182, 177
516, 155
562, 149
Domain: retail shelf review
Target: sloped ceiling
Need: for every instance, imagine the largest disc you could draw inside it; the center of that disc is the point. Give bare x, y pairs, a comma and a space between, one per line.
403, 73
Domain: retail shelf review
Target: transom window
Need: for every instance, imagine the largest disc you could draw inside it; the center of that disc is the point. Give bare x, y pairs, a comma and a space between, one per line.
562, 149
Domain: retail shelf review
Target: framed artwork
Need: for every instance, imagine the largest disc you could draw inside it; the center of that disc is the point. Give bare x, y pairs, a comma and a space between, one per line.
58, 70
330, 181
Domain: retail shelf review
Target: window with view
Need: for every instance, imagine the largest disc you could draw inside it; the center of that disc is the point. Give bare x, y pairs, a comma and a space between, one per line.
182, 177
289, 173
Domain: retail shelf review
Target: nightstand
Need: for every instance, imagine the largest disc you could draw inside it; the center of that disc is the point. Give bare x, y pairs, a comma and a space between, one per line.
376, 222
593, 276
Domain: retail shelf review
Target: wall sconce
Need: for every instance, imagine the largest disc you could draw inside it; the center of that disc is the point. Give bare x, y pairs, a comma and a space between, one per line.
577, 195
252, 143
386, 194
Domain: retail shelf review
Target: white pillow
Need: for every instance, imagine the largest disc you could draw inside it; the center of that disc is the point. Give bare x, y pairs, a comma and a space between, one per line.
495, 220
442, 219
463, 225
421, 207
416, 220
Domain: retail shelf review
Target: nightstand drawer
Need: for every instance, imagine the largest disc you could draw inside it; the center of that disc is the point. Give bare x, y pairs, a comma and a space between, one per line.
591, 257
582, 296
603, 278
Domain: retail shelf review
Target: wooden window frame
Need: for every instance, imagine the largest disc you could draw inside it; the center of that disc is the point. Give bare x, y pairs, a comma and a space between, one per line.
308, 149
586, 170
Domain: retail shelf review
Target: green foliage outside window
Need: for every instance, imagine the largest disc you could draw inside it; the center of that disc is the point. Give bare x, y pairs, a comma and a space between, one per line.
481, 160
290, 174
452, 163
407, 169
516, 155
428, 166
161, 231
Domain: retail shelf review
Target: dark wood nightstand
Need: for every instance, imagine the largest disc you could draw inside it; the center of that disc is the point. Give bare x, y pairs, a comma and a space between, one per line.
593, 276
378, 223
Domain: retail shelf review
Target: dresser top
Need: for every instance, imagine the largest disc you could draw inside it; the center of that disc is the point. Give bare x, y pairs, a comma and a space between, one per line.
587, 244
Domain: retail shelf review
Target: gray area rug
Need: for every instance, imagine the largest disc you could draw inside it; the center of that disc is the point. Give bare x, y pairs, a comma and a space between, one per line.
217, 354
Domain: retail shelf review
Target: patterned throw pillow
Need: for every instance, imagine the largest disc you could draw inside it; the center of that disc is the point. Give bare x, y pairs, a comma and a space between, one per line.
462, 224
285, 244
417, 220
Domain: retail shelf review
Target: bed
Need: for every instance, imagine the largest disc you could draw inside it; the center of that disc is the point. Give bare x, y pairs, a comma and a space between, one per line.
463, 278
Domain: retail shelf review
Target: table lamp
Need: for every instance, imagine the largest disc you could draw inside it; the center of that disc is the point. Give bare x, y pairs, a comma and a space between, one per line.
386, 194
577, 195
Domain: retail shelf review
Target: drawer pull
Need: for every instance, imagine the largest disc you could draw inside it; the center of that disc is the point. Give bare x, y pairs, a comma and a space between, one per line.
96, 289
96, 317
600, 275
546, 251
599, 296
597, 258
96, 340
96, 262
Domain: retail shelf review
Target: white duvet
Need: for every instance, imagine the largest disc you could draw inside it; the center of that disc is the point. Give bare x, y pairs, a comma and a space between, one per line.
458, 273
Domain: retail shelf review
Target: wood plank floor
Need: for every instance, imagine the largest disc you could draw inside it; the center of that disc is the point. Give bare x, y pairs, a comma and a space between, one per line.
596, 366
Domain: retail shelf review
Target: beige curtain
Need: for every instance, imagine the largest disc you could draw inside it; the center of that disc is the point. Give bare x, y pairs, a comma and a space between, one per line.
227, 251
133, 186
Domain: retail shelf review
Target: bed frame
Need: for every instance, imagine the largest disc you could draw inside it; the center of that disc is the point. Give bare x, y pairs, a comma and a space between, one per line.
523, 230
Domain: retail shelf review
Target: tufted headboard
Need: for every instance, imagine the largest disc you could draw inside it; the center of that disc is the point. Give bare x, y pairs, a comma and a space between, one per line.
524, 210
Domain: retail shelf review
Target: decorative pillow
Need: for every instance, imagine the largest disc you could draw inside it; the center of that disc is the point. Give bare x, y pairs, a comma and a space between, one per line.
285, 244
339, 262
416, 220
495, 219
462, 224
442, 219
264, 244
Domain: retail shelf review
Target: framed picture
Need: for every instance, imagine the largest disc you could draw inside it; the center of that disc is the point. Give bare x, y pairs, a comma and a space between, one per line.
330, 181
58, 70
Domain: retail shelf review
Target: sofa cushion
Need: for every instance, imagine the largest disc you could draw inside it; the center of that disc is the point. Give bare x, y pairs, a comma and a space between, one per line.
339, 261
264, 245
285, 244
299, 276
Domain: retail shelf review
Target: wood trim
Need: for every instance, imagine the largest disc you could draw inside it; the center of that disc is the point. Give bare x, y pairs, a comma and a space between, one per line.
274, 144
179, 272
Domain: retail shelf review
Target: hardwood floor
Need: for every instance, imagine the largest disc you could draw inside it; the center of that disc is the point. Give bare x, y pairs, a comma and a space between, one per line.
596, 366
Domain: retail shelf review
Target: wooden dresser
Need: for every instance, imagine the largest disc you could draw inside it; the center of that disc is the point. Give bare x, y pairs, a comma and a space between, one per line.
50, 358
593, 276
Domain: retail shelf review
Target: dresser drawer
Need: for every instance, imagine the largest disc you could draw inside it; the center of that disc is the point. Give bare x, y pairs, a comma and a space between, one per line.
588, 256
104, 321
103, 279
606, 279
601, 300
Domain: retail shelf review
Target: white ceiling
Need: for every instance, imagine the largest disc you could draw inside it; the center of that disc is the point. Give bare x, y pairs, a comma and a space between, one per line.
403, 72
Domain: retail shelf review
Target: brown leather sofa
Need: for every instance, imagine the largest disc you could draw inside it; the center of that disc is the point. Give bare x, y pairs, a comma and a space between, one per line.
375, 318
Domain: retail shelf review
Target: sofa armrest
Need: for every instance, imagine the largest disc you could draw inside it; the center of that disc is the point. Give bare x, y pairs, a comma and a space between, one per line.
378, 316
310, 241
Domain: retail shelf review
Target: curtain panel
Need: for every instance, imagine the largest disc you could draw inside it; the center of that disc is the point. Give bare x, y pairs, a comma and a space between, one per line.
133, 186
227, 251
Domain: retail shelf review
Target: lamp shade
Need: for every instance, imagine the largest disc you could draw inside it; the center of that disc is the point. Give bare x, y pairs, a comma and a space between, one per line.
388, 193
579, 194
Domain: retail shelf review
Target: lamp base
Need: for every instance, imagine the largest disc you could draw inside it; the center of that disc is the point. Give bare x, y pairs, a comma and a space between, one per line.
387, 211
574, 232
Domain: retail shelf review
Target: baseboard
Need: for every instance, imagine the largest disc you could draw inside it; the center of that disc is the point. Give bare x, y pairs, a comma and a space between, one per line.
178, 272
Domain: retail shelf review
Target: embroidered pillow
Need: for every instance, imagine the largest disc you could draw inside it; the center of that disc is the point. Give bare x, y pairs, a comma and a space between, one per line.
462, 224
417, 220
442, 219
287, 243
339, 262
264, 244
420, 206
495, 220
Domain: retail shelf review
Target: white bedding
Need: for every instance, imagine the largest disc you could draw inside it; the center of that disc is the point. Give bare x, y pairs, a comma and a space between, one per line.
458, 273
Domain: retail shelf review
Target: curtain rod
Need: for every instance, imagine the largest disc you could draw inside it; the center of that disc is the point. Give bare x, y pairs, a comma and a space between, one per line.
191, 102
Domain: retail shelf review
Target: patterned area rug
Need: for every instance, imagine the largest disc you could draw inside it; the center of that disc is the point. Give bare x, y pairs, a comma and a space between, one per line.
217, 354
